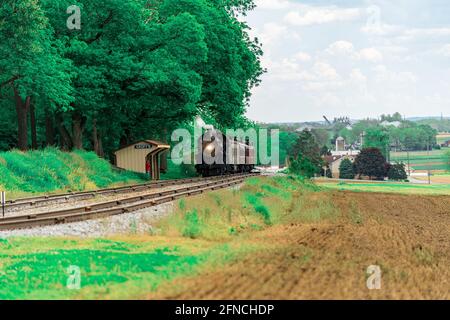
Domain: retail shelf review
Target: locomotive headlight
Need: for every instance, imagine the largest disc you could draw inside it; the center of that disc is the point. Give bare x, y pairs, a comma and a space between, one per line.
210, 148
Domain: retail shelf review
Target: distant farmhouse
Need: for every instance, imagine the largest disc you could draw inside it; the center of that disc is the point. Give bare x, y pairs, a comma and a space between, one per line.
342, 151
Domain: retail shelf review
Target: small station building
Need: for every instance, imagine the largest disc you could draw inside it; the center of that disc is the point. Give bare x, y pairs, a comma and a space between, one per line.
142, 156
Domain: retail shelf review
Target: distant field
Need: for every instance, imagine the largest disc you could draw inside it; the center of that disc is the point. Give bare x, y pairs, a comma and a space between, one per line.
441, 138
403, 188
423, 160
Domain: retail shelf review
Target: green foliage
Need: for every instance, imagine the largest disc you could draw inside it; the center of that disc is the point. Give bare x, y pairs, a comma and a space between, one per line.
256, 201
397, 172
346, 170
41, 266
143, 69
305, 155
371, 163
377, 138
303, 166
50, 170
192, 227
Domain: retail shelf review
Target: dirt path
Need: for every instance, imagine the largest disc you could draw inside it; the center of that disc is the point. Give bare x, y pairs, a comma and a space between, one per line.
407, 236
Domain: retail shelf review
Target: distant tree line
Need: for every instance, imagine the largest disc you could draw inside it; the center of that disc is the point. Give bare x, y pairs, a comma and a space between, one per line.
136, 69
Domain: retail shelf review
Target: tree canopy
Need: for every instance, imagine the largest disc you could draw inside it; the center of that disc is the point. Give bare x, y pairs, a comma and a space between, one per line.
135, 69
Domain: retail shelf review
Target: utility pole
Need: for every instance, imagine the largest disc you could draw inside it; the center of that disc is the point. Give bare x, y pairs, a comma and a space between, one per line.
409, 164
3, 200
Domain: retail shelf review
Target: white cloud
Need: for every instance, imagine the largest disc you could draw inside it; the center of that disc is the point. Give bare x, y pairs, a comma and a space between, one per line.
340, 48
272, 4
386, 76
370, 54
319, 15
382, 29
357, 76
325, 71
445, 50
427, 32
273, 32
347, 49
302, 56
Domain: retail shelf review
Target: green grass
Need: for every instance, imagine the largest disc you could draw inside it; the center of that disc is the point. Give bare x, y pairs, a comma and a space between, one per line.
423, 160
50, 170
39, 268
203, 233
404, 188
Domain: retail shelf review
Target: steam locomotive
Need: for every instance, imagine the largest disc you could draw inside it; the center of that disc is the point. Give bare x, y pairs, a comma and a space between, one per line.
219, 154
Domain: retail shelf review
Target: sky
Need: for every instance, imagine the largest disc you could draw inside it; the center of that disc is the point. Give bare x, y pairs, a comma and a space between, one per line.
355, 58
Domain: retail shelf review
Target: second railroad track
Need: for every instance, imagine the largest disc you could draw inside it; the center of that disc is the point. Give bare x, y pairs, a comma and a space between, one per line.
125, 205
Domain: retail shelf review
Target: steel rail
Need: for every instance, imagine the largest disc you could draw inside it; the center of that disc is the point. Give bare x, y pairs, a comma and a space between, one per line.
111, 208
40, 200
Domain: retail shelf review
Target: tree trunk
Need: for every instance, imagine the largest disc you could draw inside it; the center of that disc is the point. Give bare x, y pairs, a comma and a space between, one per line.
65, 138
78, 123
163, 166
124, 138
97, 139
34, 143
49, 129
22, 120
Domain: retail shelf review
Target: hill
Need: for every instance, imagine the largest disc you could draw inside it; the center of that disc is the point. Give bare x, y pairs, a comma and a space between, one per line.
51, 170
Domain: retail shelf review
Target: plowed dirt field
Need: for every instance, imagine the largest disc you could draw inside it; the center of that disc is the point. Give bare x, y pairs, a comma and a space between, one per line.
408, 237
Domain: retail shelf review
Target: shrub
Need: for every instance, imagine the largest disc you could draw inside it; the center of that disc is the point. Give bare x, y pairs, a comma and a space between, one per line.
346, 170
304, 167
397, 172
192, 228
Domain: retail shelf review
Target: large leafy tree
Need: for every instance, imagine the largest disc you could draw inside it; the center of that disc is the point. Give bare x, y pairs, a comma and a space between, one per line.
232, 66
30, 65
371, 163
378, 138
132, 69
135, 69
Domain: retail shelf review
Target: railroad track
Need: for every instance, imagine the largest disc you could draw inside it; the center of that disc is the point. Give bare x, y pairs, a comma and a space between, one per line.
116, 207
32, 202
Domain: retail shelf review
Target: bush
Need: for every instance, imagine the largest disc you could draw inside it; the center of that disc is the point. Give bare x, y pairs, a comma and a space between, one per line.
346, 170
304, 167
397, 172
192, 228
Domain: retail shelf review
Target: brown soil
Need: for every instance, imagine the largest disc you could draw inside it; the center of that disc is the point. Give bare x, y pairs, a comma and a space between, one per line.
407, 236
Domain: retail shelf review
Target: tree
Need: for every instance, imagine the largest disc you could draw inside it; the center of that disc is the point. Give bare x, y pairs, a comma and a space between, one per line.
346, 170
233, 67
306, 147
397, 172
30, 63
303, 166
141, 67
377, 138
371, 163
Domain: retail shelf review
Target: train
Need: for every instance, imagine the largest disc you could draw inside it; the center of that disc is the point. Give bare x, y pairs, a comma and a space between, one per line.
219, 154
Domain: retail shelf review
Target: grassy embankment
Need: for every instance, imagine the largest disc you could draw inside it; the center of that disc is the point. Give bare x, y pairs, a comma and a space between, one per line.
53, 171
203, 232
50, 171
